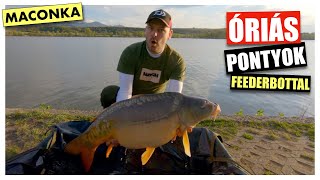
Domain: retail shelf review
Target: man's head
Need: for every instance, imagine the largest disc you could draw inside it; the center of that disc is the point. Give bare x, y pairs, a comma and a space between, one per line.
158, 30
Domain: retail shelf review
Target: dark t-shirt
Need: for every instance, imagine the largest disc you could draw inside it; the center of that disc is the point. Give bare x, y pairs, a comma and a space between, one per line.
151, 74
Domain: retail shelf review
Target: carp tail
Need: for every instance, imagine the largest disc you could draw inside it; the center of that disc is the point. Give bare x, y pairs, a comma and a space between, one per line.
76, 147
87, 158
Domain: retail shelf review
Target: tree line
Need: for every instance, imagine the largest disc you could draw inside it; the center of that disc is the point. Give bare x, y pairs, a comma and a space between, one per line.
112, 31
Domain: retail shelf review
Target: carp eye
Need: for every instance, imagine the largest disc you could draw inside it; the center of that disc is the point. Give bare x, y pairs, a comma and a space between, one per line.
204, 104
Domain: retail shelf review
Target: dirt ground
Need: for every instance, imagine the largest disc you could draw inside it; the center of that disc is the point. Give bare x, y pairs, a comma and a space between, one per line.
266, 155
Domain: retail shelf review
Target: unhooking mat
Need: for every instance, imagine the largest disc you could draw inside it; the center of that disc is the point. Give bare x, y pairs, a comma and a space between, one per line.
208, 156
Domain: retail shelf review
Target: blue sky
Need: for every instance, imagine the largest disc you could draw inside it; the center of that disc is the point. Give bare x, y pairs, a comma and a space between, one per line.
187, 16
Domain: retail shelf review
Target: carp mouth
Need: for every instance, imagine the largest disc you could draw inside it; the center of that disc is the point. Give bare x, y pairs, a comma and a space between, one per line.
215, 112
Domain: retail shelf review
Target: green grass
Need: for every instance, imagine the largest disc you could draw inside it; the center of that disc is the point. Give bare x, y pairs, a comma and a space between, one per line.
229, 128
12, 151
32, 127
297, 129
253, 131
267, 172
281, 115
310, 133
247, 136
311, 145
307, 156
260, 112
272, 136
253, 124
240, 113
226, 128
235, 147
286, 136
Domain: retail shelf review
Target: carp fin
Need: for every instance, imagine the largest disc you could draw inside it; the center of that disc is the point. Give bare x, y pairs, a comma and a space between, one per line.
186, 143
87, 158
216, 112
147, 155
109, 150
75, 147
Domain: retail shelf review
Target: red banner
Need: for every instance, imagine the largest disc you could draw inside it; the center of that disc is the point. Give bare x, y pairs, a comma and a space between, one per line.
274, 27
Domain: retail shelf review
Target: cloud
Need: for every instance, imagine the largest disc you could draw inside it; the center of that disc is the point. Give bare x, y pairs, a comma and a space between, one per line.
133, 16
188, 16
307, 13
88, 20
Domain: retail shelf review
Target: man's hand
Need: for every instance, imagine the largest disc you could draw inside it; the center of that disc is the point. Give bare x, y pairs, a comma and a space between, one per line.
179, 133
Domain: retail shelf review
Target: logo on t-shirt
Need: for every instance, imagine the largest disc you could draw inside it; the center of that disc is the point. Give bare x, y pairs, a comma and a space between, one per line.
150, 75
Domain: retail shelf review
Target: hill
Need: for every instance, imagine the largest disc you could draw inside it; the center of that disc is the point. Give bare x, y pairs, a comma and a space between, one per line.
97, 29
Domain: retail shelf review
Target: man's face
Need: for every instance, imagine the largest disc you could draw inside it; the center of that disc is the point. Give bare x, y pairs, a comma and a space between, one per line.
157, 34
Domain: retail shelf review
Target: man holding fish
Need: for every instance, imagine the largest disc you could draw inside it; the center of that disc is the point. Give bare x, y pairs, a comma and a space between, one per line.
155, 71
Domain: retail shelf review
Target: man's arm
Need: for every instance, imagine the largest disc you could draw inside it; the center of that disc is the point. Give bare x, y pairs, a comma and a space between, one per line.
174, 86
125, 91
177, 76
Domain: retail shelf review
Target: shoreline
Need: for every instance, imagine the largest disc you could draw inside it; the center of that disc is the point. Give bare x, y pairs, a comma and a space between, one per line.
239, 118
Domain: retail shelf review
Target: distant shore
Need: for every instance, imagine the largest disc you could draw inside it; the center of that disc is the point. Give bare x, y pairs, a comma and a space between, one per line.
67, 31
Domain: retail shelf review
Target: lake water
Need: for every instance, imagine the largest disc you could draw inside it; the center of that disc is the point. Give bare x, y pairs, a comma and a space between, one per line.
70, 72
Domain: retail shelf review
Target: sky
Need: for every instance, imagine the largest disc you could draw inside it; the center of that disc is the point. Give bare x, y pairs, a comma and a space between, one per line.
187, 16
